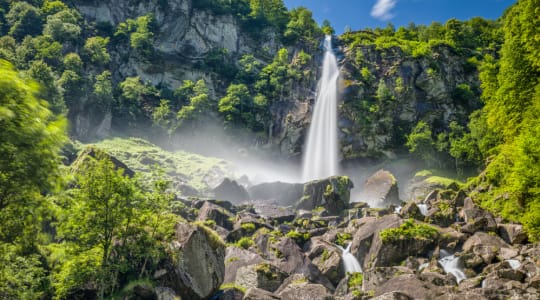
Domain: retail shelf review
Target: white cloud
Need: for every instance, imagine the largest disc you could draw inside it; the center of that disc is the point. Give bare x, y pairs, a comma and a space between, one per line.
382, 9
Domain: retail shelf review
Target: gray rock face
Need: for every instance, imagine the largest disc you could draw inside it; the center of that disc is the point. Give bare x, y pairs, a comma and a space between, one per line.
328, 259
304, 291
408, 285
380, 190
259, 294
512, 233
197, 267
237, 258
485, 245
332, 193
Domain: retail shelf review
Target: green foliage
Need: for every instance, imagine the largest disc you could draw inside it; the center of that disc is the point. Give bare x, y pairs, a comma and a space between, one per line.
27, 170
64, 26
248, 227
21, 277
343, 238
299, 237
409, 230
43, 74
235, 103
199, 105
420, 142
356, 281
244, 242
23, 19
96, 50
103, 90
301, 27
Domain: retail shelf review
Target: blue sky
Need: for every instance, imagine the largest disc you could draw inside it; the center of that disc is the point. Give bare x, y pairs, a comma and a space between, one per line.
359, 14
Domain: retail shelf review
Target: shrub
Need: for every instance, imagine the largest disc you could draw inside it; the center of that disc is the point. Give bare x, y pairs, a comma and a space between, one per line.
409, 230
244, 243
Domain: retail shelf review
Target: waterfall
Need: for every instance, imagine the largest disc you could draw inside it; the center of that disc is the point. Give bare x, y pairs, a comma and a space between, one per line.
321, 150
452, 265
423, 209
351, 263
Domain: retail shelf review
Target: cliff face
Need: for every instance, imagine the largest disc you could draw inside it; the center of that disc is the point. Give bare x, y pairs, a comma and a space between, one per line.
385, 91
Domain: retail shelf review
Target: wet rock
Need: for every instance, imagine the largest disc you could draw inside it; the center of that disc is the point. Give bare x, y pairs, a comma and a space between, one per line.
198, 268
277, 192
262, 276
218, 214
512, 233
380, 190
230, 190
332, 193
259, 294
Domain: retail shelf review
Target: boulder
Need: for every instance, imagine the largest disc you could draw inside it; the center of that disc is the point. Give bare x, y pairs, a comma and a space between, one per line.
276, 213
409, 285
328, 259
259, 294
393, 296
380, 190
302, 289
277, 192
196, 267
484, 245
218, 214
472, 213
366, 232
229, 294
237, 258
332, 193
262, 276
377, 276
512, 233
165, 293
411, 210
230, 190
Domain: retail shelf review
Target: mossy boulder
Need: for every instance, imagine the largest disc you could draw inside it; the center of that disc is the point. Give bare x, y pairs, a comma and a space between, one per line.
333, 194
196, 265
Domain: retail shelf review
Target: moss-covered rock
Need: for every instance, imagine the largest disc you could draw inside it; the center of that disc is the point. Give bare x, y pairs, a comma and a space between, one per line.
333, 194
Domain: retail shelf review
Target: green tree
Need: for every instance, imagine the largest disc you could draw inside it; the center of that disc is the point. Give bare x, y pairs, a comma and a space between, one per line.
199, 103
24, 20
31, 137
48, 90
420, 143
235, 103
64, 26
96, 49
103, 90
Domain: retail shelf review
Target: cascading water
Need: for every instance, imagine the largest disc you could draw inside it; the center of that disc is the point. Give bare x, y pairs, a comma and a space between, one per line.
351, 263
423, 208
452, 265
321, 152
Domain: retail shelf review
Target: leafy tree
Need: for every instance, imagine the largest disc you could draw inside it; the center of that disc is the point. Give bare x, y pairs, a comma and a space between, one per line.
63, 26
43, 74
162, 115
96, 49
199, 103
420, 142
103, 90
73, 62
301, 26
31, 139
235, 103
24, 20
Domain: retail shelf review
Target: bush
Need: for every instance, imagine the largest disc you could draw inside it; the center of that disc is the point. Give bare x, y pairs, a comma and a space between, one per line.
408, 231
244, 243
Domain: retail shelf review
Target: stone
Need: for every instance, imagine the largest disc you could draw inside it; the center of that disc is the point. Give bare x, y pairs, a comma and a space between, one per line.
512, 233
197, 266
262, 276
471, 213
303, 290
332, 193
218, 214
380, 190
409, 285
229, 294
144, 291
484, 245
281, 193
375, 277
393, 296
236, 258
165, 293
328, 260
230, 190
411, 210
259, 294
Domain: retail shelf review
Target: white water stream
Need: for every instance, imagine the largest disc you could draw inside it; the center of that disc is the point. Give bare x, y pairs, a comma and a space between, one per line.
321, 151
351, 263
452, 265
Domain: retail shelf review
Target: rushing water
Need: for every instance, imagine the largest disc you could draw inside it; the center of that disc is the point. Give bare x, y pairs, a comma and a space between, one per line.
452, 265
321, 152
423, 209
351, 263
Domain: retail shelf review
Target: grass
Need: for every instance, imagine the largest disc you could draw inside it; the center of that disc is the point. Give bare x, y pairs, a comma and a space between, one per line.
244, 243
142, 157
408, 231
214, 239
232, 285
